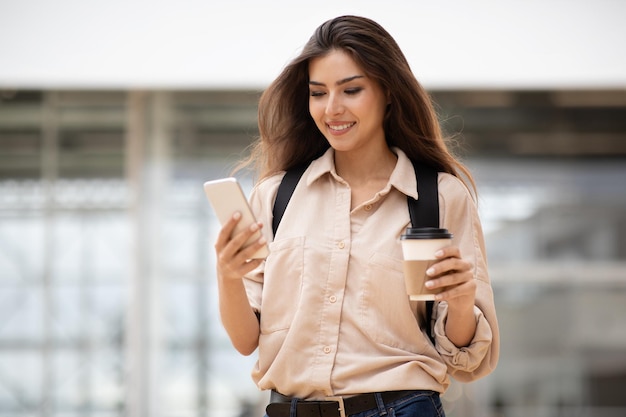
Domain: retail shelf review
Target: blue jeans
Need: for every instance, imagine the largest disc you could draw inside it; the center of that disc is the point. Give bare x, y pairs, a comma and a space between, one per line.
417, 404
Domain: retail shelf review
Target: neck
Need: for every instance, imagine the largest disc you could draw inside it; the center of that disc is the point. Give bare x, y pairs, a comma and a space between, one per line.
361, 168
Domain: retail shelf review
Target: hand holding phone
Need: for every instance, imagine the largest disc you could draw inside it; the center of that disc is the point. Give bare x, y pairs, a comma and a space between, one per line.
227, 197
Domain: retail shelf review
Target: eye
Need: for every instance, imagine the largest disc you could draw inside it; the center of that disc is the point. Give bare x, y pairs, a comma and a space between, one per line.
353, 91
316, 93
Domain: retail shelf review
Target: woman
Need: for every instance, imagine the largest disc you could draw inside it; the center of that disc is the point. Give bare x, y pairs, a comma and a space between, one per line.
328, 309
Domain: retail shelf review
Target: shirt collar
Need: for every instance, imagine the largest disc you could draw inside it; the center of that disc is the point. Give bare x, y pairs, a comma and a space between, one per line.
325, 164
402, 176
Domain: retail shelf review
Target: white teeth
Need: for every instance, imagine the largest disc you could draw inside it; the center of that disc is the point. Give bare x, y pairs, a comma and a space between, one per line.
340, 127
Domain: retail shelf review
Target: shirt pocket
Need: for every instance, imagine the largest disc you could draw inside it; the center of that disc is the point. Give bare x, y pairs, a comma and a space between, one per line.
282, 286
385, 309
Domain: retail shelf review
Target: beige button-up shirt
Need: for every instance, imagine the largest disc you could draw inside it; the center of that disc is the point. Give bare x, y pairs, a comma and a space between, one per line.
335, 317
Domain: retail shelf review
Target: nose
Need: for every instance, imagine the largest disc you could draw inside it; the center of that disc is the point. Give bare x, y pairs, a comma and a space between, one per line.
334, 105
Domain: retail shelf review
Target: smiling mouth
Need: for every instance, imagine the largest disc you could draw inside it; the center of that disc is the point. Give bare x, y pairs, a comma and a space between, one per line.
341, 126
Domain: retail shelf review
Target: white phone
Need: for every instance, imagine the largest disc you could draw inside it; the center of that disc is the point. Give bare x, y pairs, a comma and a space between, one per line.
227, 197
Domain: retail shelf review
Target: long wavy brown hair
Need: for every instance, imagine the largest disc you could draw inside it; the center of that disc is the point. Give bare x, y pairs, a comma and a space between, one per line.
288, 134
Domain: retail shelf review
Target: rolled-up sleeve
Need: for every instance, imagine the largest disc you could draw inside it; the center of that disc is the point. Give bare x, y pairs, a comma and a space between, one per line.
465, 359
459, 214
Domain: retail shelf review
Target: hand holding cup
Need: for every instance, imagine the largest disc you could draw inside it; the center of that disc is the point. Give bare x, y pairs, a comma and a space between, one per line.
419, 246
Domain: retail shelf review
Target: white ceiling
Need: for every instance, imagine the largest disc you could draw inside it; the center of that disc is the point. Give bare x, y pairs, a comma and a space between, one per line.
244, 44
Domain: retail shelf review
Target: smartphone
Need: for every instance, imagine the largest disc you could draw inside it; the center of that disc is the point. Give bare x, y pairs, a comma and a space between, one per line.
227, 197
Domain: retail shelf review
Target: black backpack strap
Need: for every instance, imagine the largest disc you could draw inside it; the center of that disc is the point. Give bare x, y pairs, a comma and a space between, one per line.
424, 212
285, 190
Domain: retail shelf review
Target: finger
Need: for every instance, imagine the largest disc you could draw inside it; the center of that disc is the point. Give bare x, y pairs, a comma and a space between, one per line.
228, 244
239, 239
236, 253
238, 270
448, 252
234, 261
231, 262
247, 267
448, 265
225, 233
449, 280
466, 289
248, 252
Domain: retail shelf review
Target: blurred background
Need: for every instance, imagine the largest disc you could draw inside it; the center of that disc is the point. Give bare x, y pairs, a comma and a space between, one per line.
113, 114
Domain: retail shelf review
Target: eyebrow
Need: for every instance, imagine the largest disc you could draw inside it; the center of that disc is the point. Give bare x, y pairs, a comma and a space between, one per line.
343, 81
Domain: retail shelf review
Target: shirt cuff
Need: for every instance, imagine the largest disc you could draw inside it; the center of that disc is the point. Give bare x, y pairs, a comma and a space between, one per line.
466, 358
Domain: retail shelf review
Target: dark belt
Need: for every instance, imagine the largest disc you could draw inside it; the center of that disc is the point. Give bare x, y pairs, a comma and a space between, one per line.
280, 405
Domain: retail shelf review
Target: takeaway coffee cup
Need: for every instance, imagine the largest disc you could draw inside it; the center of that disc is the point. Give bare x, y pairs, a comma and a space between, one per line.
418, 248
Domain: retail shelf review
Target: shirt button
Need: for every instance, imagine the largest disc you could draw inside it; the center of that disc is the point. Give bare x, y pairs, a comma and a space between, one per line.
327, 349
368, 207
341, 245
332, 299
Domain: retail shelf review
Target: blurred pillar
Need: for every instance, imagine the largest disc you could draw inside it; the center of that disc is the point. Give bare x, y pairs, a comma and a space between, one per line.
147, 171
49, 174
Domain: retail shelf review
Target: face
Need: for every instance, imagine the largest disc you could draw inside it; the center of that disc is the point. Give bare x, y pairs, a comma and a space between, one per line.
347, 106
